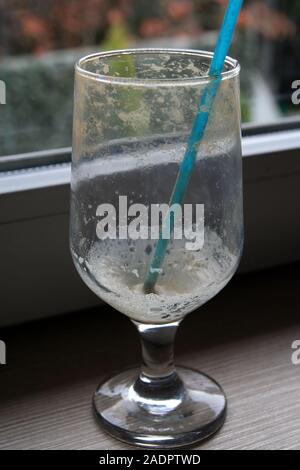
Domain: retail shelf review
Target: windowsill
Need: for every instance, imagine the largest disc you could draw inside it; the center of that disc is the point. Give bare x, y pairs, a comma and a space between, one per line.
242, 338
38, 277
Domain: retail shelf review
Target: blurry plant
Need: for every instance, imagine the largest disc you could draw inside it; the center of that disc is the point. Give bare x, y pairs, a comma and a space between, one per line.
118, 36
245, 110
35, 26
179, 9
257, 16
31, 26
153, 27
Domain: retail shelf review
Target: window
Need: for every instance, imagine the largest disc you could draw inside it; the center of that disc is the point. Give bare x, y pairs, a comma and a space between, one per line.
41, 39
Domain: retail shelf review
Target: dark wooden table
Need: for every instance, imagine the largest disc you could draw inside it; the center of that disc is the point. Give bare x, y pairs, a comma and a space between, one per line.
242, 338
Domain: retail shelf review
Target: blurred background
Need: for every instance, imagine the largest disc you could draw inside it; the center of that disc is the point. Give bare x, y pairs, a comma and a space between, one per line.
41, 39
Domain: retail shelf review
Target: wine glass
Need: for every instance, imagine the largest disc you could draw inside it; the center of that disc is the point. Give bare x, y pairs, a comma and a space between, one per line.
134, 110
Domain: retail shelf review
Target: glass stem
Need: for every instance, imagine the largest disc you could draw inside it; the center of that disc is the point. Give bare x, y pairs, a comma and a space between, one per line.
157, 349
158, 388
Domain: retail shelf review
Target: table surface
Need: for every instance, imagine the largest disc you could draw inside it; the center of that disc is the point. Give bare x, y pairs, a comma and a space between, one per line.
242, 338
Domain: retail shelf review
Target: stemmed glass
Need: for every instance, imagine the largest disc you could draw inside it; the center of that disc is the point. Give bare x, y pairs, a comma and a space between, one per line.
134, 110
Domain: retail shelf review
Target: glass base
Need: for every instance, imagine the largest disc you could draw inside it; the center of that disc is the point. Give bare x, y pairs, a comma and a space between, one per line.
161, 419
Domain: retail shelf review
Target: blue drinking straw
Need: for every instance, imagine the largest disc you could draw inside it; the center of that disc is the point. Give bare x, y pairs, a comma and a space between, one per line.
199, 126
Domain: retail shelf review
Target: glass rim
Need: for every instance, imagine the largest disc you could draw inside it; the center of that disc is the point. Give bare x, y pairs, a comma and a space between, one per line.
197, 80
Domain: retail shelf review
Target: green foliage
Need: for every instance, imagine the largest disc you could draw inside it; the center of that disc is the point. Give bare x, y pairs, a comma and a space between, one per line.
245, 111
117, 37
39, 104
